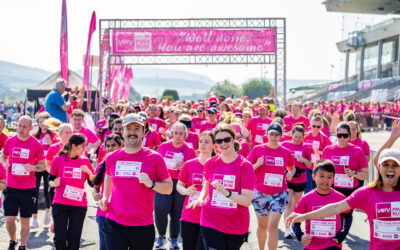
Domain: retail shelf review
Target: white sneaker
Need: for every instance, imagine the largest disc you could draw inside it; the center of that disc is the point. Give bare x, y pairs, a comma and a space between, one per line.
34, 223
288, 234
47, 218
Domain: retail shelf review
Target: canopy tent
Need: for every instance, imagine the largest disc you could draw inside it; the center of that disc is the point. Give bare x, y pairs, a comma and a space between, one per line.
41, 90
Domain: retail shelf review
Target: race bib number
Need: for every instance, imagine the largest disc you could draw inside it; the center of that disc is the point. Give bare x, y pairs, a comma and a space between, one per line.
220, 200
227, 181
273, 180
20, 153
259, 139
128, 168
18, 169
74, 173
73, 193
324, 229
194, 197
343, 181
387, 230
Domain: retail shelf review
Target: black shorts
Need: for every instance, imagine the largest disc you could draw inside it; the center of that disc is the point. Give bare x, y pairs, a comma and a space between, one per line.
19, 199
297, 187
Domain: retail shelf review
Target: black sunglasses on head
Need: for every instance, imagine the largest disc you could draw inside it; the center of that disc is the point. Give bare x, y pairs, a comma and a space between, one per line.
342, 135
226, 140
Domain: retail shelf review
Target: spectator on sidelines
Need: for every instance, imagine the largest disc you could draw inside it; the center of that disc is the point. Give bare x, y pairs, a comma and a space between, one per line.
55, 104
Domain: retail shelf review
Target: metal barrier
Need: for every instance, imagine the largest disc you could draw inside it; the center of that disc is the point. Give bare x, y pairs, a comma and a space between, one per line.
371, 167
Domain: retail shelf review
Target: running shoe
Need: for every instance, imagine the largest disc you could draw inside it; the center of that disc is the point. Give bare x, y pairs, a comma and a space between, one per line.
160, 242
288, 234
34, 223
12, 245
22, 248
173, 244
47, 218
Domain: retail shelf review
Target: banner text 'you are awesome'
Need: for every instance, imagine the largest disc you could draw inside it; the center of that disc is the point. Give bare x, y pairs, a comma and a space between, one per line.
193, 41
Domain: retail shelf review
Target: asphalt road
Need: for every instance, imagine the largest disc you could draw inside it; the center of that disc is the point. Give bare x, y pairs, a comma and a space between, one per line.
358, 237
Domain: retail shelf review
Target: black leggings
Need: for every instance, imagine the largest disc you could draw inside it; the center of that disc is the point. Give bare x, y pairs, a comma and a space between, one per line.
39, 176
120, 237
171, 204
191, 237
68, 224
214, 239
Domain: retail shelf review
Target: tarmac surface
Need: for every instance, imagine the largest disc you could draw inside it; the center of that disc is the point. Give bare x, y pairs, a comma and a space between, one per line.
358, 237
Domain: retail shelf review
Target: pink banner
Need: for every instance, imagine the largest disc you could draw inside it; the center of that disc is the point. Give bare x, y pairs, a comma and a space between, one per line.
333, 86
104, 54
64, 43
92, 28
128, 81
117, 84
193, 41
367, 84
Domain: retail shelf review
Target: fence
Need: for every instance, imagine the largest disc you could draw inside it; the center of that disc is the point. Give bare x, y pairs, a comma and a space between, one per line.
371, 167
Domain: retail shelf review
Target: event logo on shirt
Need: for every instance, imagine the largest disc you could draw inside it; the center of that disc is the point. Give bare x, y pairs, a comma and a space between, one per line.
20, 153
341, 160
228, 181
388, 210
262, 126
275, 161
197, 179
70, 172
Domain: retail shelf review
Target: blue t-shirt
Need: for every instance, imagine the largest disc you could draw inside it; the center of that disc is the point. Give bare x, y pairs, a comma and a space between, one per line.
54, 101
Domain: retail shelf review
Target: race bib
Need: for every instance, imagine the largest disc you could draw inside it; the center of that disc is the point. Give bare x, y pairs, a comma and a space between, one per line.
227, 181
343, 181
324, 229
73, 193
18, 169
20, 153
298, 154
74, 173
387, 230
128, 168
259, 139
315, 144
220, 200
273, 180
154, 126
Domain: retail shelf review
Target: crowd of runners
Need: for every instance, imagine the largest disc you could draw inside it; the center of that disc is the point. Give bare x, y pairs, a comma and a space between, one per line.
195, 167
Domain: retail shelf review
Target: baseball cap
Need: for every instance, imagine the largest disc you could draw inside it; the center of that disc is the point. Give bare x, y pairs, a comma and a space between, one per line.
212, 110
263, 106
114, 116
132, 118
143, 115
213, 103
389, 154
275, 127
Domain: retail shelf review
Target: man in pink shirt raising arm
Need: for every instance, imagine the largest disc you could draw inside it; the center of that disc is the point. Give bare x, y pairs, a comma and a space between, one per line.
133, 175
22, 156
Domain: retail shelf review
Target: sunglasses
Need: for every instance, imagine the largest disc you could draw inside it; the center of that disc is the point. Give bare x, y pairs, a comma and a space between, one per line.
192, 113
342, 135
226, 140
315, 126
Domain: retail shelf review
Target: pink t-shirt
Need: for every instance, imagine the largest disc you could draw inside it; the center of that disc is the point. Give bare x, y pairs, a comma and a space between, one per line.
3, 139
192, 140
19, 153
131, 202
258, 127
99, 211
53, 151
383, 211
72, 180
151, 139
270, 176
221, 213
298, 150
90, 136
172, 156
102, 123
362, 144
196, 124
289, 122
3, 174
102, 153
322, 230
207, 126
244, 147
192, 173
156, 124
318, 142
352, 157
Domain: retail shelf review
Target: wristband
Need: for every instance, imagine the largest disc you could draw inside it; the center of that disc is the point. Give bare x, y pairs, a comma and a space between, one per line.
355, 173
153, 185
229, 195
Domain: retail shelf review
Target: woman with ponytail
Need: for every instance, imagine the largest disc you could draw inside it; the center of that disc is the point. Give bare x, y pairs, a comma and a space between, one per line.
226, 194
68, 173
190, 184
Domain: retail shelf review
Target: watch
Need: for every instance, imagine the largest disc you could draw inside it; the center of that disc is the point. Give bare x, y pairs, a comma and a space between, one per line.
153, 185
229, 195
